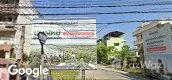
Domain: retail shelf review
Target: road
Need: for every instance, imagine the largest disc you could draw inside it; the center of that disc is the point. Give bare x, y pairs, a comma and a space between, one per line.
110, 75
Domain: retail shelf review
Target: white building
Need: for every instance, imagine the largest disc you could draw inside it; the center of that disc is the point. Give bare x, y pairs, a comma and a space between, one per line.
11, 30
26, 22
156, 39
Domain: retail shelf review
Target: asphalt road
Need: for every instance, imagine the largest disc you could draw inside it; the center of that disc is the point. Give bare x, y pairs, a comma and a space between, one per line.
102, 74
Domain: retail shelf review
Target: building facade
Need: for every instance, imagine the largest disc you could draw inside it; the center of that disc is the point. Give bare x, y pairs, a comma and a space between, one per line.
153, 41
113, 39
12, 26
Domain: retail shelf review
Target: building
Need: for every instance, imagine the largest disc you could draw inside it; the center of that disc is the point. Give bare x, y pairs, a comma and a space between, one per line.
138, 34
25, 24
153, 41
113, 39
8, 19
12, 26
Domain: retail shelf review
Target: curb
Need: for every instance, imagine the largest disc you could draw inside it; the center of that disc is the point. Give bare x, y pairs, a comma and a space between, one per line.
114, 70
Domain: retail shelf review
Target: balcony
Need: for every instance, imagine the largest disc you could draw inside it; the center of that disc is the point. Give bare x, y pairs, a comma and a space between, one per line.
7, 61
7, 27
8, 10
9, 2
5, 47
8, 6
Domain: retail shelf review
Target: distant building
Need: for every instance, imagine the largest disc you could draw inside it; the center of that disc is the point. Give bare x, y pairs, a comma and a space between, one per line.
113, 39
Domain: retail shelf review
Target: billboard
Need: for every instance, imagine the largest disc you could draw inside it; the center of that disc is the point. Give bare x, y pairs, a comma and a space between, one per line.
75, 32
70, 43
157, 43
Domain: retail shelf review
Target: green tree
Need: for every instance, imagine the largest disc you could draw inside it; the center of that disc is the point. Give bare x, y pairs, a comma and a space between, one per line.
35, 58
124, 54
102, 55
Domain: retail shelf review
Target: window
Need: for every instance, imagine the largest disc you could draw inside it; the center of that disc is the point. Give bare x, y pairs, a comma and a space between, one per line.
2, 54
8, 18
116, 44
141, 36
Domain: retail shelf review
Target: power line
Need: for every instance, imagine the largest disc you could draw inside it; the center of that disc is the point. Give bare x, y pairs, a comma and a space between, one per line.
94, 2
94, 6
117, 22
99, 13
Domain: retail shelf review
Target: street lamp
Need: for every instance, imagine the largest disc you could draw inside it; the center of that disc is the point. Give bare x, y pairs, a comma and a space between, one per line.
42, 39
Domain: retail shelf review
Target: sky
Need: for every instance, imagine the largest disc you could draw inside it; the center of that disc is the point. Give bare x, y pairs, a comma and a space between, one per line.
127, 28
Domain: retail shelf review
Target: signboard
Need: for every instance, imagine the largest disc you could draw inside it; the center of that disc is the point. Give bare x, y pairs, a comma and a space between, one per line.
66, 30
70, 42
157, 43
158, 40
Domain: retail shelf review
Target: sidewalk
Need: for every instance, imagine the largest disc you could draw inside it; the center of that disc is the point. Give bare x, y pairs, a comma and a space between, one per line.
132, 76
106, 68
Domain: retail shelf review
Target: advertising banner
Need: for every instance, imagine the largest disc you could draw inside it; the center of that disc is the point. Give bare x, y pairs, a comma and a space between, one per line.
157, 45
70, 44
77, 32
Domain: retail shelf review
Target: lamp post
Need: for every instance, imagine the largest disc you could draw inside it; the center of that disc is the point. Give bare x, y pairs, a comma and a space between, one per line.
42, 39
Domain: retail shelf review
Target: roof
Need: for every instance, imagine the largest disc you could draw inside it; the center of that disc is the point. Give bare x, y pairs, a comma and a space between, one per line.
98, 40
114, 34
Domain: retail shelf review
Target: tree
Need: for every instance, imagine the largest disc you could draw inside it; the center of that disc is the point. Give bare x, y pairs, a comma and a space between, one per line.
35, 58
102, 55
142, 60
124, 54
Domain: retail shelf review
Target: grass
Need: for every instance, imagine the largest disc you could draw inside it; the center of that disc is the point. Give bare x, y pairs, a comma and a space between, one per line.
64, 74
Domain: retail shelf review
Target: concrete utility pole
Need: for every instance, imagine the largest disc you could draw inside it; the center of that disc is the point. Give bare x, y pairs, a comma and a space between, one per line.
22, 44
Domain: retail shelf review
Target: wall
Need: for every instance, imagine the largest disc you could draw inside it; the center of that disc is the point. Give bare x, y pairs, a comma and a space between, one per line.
157, 43
112, 40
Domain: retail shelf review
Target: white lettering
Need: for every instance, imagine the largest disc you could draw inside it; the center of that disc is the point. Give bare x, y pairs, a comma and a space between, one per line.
28, 71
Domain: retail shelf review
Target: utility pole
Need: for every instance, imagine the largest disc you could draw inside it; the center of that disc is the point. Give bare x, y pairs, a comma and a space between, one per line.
22, 44
42, 39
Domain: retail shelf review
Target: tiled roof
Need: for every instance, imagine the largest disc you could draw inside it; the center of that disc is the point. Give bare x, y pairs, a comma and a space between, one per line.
114, 34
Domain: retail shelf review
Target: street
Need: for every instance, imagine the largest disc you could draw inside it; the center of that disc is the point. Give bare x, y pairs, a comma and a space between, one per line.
111, 75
